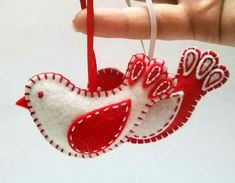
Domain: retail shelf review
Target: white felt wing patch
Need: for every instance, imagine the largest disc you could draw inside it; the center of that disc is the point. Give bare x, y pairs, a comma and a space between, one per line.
160, 116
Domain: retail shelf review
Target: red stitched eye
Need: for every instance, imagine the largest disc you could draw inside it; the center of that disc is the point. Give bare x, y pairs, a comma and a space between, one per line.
40, 94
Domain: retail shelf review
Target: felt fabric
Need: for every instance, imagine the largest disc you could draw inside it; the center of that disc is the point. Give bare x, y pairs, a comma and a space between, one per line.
198, 74
95, 131
159, 117
154, 72
109, 78
144, 105
136, 70
56, 104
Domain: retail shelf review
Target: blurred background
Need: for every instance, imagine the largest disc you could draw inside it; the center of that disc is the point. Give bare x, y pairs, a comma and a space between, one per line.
37, 36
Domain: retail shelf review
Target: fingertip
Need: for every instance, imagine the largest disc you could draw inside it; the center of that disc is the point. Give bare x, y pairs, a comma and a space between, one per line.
108, 22
79, 21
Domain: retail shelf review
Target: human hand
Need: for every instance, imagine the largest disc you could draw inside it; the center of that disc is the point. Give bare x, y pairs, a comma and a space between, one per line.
204, 20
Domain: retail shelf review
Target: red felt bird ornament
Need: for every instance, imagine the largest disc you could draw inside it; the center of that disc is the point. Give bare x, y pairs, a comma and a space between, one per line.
144, 105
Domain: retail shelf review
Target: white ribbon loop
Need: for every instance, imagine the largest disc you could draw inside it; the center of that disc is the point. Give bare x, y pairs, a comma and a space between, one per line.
153, 24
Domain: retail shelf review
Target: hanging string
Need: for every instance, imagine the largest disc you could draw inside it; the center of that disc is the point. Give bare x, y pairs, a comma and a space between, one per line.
128, 2
153, 25
83, 4
91, 60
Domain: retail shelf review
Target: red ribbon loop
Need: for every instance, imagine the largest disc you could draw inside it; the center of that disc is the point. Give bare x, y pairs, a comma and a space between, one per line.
91, 59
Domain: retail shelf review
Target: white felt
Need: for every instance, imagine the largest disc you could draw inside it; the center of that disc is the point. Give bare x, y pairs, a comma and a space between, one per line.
214, 78
59, 106
190, 61
205, 66
159, 114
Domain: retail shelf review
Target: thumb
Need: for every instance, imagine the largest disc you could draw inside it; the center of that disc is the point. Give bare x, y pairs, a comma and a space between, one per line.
133, 22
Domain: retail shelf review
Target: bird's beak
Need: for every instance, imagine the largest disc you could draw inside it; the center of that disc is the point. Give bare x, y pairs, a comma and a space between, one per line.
22, 103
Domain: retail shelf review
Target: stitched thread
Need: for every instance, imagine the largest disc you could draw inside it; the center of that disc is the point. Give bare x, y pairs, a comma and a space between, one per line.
79, 92
59, 78
164, 125
155, 93
124, 104
148, 81
182, 71
133, 76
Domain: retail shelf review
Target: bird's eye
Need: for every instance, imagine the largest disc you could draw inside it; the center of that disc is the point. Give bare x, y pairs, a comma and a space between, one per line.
40, 94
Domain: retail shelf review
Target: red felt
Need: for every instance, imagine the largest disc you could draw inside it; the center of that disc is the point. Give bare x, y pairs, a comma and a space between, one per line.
137, 70
212, 84
97, 130
189, 65
109, 78
162, 87
207, 63
192, 88
22, 103
153, 73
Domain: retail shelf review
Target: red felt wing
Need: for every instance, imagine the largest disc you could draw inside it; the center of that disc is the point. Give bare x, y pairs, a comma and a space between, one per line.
109, 78
97, 130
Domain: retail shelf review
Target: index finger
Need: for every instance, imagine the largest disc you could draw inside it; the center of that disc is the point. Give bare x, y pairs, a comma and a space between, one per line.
133, 22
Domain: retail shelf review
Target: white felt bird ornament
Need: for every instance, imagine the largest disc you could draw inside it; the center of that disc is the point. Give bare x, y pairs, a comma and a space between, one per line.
143, 105
148, 105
